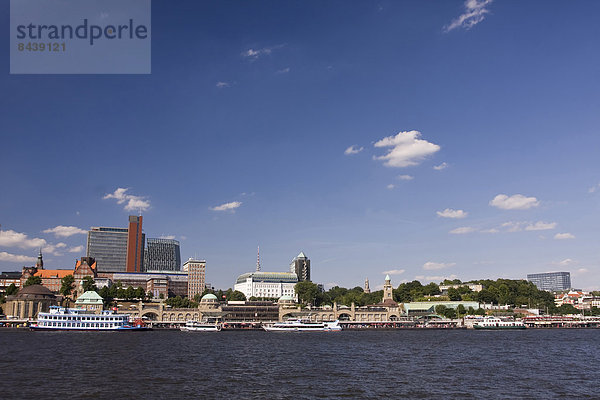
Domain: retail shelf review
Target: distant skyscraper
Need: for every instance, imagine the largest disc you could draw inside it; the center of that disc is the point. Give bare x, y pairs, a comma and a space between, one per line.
196, 270
551, 281
162, 255
301, 267
135, 245
109, 246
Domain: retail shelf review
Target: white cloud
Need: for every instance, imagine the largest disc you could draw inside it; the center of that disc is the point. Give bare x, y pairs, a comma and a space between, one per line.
462, 230
450, 213
132, 202
353, 150
541, 226
434, 278
491, 230
594, 188
475, 11
565, 262
76, 249
11, 238
170, 237
223, 84
394, 272
514, 202
564, 236
581, 271
429, 265
407, 149
65, 231
440, 167
8, 257
283, 71
255, 54
391, 186
405, 177
512, 226
227, 206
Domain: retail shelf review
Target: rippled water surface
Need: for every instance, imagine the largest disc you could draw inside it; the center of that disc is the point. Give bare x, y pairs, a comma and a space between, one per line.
365, 364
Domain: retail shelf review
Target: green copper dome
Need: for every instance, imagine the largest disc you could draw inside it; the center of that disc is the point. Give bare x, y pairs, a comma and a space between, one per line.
208, 296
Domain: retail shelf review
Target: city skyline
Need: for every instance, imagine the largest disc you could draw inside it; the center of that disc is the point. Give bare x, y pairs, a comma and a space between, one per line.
421, 140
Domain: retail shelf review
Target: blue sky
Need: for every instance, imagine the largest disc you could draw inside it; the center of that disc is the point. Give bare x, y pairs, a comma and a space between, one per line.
377, 137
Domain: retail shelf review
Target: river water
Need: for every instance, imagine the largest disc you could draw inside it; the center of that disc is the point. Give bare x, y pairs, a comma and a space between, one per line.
419, 364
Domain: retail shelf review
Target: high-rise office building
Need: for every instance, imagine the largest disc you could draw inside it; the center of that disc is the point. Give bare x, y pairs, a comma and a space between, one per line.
196, 270
551, 281
301, 267
135, 245
162, 255
109, 246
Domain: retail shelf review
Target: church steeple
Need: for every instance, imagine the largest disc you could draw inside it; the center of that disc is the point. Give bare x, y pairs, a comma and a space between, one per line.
40, 261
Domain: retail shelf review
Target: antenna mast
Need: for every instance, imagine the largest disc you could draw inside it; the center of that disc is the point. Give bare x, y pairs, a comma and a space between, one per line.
258, 259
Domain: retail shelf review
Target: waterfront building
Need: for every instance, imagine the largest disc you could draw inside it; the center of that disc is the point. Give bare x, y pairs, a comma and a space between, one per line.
250, 311
196, 270
91, 302
30, 301
162, 255
551, 281
118, 249
267, 284
301, 267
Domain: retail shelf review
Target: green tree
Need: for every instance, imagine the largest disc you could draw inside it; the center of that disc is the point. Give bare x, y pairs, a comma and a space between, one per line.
236, 295
140, 293
11, 289
88, 284
454, 295
33, 280
461, 310
306, 291
66, 285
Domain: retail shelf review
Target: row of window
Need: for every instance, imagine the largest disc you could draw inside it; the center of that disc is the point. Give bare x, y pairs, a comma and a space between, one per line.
80, 324
78, 318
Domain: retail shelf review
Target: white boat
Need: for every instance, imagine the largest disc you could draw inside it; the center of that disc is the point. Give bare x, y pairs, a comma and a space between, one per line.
301, 325
75, 319
203, 326
496, 323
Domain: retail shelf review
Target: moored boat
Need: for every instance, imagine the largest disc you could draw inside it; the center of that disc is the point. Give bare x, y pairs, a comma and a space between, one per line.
495, 323
300, 325
75, 319
202, 326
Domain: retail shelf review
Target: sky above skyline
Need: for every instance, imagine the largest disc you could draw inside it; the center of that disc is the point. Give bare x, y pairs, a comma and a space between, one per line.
423, 140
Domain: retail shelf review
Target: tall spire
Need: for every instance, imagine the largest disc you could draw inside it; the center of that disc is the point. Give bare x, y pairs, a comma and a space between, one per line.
367, 289
40, 261
258, 259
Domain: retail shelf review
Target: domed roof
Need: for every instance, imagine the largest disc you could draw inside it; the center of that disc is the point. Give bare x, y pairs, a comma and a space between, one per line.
35, 291
286, 298
208, 297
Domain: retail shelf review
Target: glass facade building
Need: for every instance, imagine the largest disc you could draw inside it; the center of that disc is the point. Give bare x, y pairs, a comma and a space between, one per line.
109, 247
301, 267
551, 281
162, 255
